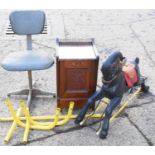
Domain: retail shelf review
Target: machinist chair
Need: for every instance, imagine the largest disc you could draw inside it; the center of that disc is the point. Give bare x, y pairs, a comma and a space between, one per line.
28, 23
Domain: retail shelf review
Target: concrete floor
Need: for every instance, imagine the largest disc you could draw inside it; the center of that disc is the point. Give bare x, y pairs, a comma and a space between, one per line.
130, 31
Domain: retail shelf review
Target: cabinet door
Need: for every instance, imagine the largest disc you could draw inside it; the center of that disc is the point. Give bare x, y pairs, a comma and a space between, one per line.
77, 78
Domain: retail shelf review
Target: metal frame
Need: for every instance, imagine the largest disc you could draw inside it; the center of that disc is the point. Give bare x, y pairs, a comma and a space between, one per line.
30, 92
32, 122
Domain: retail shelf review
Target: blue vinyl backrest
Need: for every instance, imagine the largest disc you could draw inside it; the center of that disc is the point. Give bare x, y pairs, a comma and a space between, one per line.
27, 22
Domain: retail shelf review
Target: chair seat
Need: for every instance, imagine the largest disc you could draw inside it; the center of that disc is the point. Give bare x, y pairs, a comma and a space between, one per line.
27, 61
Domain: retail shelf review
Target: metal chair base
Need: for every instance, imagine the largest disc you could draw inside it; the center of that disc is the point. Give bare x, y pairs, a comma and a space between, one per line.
31, 92
35, 92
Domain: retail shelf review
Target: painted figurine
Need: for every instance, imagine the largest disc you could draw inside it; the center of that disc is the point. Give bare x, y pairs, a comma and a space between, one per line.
117, 79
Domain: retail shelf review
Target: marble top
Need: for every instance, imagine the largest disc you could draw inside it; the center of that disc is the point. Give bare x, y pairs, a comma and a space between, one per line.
76, 52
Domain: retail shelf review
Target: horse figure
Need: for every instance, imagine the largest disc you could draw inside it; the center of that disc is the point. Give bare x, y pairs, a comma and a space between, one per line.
116, 81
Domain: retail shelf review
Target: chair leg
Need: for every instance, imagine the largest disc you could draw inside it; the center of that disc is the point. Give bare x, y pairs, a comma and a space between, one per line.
38, 92
21, 92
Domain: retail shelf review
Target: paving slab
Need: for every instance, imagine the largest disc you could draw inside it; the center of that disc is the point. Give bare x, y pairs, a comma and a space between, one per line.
121, 129
144, 119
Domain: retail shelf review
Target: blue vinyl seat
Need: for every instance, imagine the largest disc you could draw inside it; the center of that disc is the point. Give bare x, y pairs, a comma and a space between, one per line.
24, 61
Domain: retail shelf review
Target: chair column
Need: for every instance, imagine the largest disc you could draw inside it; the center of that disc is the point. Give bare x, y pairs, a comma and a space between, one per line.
30, 88
29, 48
29, 42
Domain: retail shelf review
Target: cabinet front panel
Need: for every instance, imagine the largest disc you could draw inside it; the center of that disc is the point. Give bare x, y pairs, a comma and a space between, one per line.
76, 78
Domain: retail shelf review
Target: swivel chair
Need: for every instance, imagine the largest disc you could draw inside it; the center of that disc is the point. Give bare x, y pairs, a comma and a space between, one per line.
28, 23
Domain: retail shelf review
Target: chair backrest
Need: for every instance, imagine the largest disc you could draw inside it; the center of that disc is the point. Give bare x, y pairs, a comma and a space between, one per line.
27, 22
